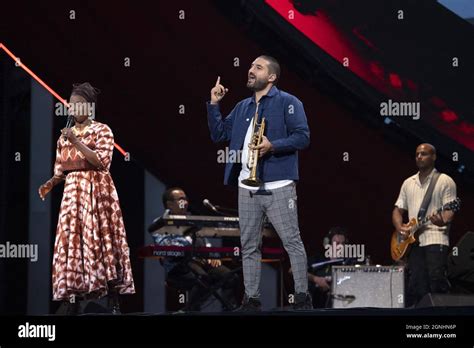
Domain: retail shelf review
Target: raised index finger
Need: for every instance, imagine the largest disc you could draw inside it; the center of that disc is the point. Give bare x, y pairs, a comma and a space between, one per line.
218, 81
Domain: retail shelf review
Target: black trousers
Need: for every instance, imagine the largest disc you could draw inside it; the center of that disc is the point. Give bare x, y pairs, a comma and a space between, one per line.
427, 272
184, 277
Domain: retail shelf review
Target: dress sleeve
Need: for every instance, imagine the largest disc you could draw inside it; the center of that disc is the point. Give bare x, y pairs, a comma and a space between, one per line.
105, 146
58, 168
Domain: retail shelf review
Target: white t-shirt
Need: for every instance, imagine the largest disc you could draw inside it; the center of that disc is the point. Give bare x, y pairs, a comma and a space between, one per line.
245, 171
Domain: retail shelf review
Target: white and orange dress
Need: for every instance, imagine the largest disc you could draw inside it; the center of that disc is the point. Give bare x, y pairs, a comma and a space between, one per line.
91, 252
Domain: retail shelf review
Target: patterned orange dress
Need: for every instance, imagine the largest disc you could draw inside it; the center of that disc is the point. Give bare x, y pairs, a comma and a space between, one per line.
91, 253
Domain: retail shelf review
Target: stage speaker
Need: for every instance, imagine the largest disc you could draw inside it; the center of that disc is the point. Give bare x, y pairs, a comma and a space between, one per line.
446, 300
461, 259
368, 286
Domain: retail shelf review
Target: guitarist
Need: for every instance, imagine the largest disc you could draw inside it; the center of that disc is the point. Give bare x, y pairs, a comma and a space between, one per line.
427, 259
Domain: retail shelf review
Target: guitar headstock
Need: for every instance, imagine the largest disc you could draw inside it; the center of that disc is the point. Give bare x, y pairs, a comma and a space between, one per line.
453, 205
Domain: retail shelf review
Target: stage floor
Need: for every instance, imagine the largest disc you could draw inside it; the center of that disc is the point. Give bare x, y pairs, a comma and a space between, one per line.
366, 311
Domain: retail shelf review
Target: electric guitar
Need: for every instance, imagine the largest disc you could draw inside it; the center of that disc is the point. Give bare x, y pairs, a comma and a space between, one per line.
400, 247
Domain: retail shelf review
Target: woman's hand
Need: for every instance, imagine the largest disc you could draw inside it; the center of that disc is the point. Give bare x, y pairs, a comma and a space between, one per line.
69, 134
44, 190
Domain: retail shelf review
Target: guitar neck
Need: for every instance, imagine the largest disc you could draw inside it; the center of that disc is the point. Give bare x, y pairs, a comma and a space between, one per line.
426, 219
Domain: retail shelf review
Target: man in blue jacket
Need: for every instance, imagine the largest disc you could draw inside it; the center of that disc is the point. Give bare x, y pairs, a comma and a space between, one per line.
286, 132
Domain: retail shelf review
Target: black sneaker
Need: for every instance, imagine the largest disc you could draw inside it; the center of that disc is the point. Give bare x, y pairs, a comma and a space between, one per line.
303, 301
250, 305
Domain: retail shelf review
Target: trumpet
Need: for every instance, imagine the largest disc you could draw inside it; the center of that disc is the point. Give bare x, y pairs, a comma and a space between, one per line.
257, 137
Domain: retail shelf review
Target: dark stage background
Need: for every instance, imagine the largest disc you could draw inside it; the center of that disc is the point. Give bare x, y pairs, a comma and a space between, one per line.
175, 62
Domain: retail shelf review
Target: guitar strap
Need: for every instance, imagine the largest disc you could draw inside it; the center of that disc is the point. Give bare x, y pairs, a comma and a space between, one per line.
427, 198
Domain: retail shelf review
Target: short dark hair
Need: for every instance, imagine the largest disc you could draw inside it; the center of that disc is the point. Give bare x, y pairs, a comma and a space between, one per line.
86, 90
338, 230
167, 195
273, 67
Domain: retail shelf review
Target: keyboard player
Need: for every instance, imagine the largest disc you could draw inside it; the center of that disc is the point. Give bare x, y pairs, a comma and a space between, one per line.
182, 273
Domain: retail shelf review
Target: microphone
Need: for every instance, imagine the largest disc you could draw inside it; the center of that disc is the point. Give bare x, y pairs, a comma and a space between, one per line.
70, 119
209, 205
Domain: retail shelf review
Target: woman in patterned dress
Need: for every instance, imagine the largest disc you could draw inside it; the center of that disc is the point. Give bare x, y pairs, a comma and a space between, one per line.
91, 253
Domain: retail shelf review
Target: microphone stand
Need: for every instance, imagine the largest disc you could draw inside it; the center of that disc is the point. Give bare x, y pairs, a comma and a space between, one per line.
229, 210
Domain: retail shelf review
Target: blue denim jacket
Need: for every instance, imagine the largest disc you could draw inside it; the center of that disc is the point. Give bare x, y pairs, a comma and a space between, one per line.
286, 128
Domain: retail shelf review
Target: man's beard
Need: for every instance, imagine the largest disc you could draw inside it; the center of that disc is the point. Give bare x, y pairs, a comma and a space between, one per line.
424, 165
258, 85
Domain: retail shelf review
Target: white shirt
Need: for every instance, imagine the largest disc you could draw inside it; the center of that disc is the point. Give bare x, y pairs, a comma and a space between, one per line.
245, 171
411, 196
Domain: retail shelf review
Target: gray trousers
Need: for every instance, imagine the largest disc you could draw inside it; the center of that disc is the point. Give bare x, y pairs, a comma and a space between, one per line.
280, 208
